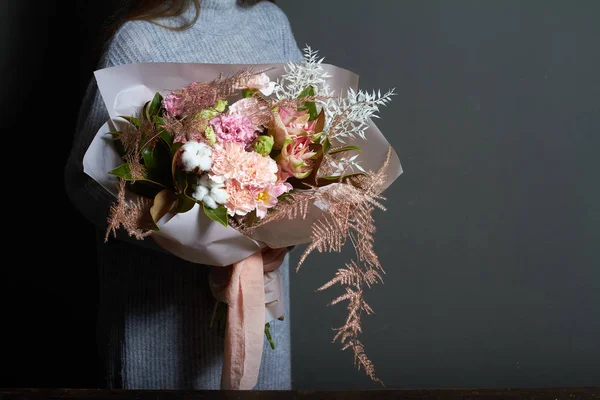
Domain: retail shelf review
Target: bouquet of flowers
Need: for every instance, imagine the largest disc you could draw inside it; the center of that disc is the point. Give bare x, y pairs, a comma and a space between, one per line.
216, 162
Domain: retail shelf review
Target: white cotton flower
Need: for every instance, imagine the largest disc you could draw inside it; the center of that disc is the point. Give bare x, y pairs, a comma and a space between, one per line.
200, 192
196, 155
209, 202
219, 195
210, 192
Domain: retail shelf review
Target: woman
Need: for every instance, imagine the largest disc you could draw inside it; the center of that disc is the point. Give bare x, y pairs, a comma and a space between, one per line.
155, 309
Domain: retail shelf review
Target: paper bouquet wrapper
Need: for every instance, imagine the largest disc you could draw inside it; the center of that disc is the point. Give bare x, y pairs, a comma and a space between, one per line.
192, 235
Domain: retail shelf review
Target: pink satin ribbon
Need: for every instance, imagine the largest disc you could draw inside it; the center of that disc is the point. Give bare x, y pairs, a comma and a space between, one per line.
242, 287
244, 335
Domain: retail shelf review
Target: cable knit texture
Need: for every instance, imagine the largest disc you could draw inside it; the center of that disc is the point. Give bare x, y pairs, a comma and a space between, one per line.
155, 309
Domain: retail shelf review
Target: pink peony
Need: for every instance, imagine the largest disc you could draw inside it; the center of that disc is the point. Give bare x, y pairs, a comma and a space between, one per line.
234, 128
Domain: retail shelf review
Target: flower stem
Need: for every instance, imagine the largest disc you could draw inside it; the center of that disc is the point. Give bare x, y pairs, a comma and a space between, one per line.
269, 337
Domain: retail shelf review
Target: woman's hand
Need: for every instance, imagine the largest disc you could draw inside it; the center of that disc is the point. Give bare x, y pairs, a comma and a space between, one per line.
272, 258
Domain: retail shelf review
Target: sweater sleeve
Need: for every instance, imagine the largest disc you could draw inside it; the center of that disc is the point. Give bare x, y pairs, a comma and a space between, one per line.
88, 196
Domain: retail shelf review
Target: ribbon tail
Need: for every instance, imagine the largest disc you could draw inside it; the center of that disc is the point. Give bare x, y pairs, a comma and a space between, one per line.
244, 334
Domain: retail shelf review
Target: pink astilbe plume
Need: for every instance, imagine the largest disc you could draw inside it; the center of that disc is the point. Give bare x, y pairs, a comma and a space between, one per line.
358, 274
133, 216
133, 139
183, 105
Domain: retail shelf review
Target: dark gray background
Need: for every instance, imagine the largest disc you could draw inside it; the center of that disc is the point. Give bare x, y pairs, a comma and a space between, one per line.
491, 237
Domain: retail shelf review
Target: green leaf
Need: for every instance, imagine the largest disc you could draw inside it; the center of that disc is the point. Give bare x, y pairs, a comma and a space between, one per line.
119, 146
184, 203
175, 148
148, 156
164, 202
154, 107
308, 91
310, 106
320, 124
283, 196
122, 171
132, 120
114, 133
248, 92
326, 144
345, 148
157, 161
218, 214
220, 105
145, 188
164, 134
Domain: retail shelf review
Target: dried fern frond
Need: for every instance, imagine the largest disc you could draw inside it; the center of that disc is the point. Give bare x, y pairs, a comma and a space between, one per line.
202, 95
347, 216
353, 278
133, 216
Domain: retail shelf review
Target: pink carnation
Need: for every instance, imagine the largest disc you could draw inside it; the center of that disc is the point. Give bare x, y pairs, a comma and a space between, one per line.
240, 200
234, 128
250, 169
257, 171
227, 159
251, 180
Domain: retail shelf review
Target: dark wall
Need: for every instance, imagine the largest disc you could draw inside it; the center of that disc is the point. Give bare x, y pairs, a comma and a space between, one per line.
490, 241
49, 286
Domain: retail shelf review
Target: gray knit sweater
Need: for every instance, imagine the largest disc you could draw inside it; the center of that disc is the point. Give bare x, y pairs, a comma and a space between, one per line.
154, 311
